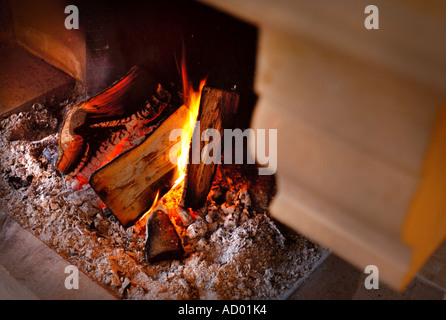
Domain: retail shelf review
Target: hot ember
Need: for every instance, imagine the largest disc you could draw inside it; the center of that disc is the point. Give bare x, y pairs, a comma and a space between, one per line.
97, 130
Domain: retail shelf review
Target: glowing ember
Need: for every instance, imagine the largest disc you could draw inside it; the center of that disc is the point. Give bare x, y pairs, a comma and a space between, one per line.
118, 149
123, 140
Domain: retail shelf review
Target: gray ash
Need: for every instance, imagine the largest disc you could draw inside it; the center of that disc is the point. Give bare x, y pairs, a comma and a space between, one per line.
239, 252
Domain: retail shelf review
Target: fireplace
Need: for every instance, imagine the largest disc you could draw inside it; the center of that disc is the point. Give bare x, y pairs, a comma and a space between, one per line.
167, 230
342, 149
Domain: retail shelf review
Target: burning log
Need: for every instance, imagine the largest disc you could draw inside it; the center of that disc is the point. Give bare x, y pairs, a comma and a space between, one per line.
162, 241
129, 184
215, 107
98, 129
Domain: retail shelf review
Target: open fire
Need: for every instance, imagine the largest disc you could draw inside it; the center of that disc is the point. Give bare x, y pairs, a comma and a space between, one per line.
112, 122
101, 189
98, 130
233, 249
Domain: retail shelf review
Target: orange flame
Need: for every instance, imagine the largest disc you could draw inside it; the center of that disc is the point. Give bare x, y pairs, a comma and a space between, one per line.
191, 99
140, 224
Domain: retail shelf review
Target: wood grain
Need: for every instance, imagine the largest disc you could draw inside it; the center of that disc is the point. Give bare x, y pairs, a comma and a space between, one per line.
128, 185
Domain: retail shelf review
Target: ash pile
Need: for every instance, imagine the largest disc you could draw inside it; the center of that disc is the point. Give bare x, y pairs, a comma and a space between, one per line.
234, 249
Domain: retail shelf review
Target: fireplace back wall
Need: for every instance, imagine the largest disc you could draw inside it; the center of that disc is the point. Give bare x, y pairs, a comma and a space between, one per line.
39, 27
121, 34
116, 35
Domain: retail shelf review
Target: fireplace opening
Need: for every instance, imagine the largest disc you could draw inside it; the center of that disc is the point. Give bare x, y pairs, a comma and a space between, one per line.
91, 176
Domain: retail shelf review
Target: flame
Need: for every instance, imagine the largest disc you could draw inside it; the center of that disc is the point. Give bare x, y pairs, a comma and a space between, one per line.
140, 224
191, 99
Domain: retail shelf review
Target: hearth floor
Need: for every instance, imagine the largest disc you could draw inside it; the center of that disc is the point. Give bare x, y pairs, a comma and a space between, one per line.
336, 279
31, 270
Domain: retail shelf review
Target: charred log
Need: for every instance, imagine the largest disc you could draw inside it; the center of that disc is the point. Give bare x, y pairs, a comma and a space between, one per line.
162, 241
118, 116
